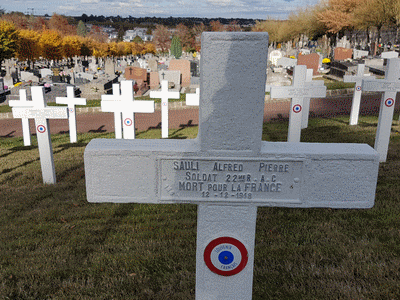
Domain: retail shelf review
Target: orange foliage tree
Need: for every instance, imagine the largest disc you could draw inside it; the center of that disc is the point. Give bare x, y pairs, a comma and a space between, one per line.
72, 45
162, 38
51, 44
28, 47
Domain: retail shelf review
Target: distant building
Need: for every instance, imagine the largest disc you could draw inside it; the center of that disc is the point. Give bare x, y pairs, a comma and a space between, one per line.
140, 32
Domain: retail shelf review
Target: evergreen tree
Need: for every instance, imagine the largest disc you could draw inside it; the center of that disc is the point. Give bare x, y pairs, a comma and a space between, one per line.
81, 29
176, 47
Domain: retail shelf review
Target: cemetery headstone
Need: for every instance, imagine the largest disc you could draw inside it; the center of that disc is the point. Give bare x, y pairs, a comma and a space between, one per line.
357, 54
193, 99
228, 171
71, 101
342, 53
23, 102
154, 80
183, 66
164, 95
41, 113
153, 65
274, 56
297, 92
311, 61
389, 86
355, 106
56, 77
109, 67
173, 78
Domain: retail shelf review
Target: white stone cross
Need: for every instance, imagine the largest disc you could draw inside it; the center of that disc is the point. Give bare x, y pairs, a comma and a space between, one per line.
306, 100
126, 105
164, 94
108, 105
23, 102
193, 99
41, 113
297, 92
227, 170
355, 105
71, 101
390, 86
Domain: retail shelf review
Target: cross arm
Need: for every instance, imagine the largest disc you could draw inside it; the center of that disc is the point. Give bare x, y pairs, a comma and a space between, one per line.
46, 112
380, 85
309, 91
176, 171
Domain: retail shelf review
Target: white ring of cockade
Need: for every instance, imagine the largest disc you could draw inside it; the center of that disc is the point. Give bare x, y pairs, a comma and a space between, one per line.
226, 256
297, 108
41, 128
389, 102
128, 122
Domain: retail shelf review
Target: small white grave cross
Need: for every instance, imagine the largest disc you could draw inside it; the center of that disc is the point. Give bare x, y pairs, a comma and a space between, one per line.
23, 102
390, 86
125, 104
355, 105
297, 92
164, 94
227, 170
71, 101
306, 101
41, 113
193, 99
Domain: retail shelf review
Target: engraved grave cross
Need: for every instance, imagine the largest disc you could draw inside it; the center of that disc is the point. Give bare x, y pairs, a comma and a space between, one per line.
71, 101
23, 102
355, 105
299, 90
41, 113
390, 86
125, 104
227, 170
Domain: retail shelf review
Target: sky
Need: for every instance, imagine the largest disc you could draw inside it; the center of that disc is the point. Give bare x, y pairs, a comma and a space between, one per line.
248, 9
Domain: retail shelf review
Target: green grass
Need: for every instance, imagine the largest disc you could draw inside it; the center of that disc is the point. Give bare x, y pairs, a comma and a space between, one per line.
56, 245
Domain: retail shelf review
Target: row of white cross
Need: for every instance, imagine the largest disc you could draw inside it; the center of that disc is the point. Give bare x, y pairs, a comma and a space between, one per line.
122, 104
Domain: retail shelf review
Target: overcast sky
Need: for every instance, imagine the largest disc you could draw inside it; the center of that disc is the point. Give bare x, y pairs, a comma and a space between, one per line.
255, 9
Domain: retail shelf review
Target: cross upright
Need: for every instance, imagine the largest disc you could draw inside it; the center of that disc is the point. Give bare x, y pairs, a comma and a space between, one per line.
227, 170
389, 86
297, 92
355, 105
125, 104
41, 113
71, 101
23, 102
164, 94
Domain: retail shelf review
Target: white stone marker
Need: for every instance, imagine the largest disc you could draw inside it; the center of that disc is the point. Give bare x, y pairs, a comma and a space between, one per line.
227, 170
297, 92
193, 99
71, 101
306, 100
390, 86
41, 113
126, 105
108, 104
355, 105
164, 94
23, 102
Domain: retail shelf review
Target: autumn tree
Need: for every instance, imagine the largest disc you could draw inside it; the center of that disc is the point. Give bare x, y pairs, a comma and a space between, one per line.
51, 44
338, 15
216, 26
28, 47
197, 30
98, 35
19, 20
162, 38
8, 40
233, 26
60, 23
72, 46
185, 36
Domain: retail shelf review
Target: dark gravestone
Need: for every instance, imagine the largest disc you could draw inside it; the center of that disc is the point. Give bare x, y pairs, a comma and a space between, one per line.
194, 69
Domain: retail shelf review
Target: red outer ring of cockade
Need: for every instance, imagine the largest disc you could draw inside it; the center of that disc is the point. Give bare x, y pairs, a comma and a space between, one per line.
226, 240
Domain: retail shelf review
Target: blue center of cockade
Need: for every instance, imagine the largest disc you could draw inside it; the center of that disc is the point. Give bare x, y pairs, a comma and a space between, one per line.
225, 257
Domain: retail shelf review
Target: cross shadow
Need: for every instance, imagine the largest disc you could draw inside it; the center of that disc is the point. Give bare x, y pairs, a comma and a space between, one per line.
98, 130
280, 118
155, 127
8, 135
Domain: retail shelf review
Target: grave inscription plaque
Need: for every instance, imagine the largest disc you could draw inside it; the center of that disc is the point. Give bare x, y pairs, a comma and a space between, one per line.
227, 170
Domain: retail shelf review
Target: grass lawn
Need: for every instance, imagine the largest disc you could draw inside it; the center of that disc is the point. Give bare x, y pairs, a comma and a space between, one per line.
56, 245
